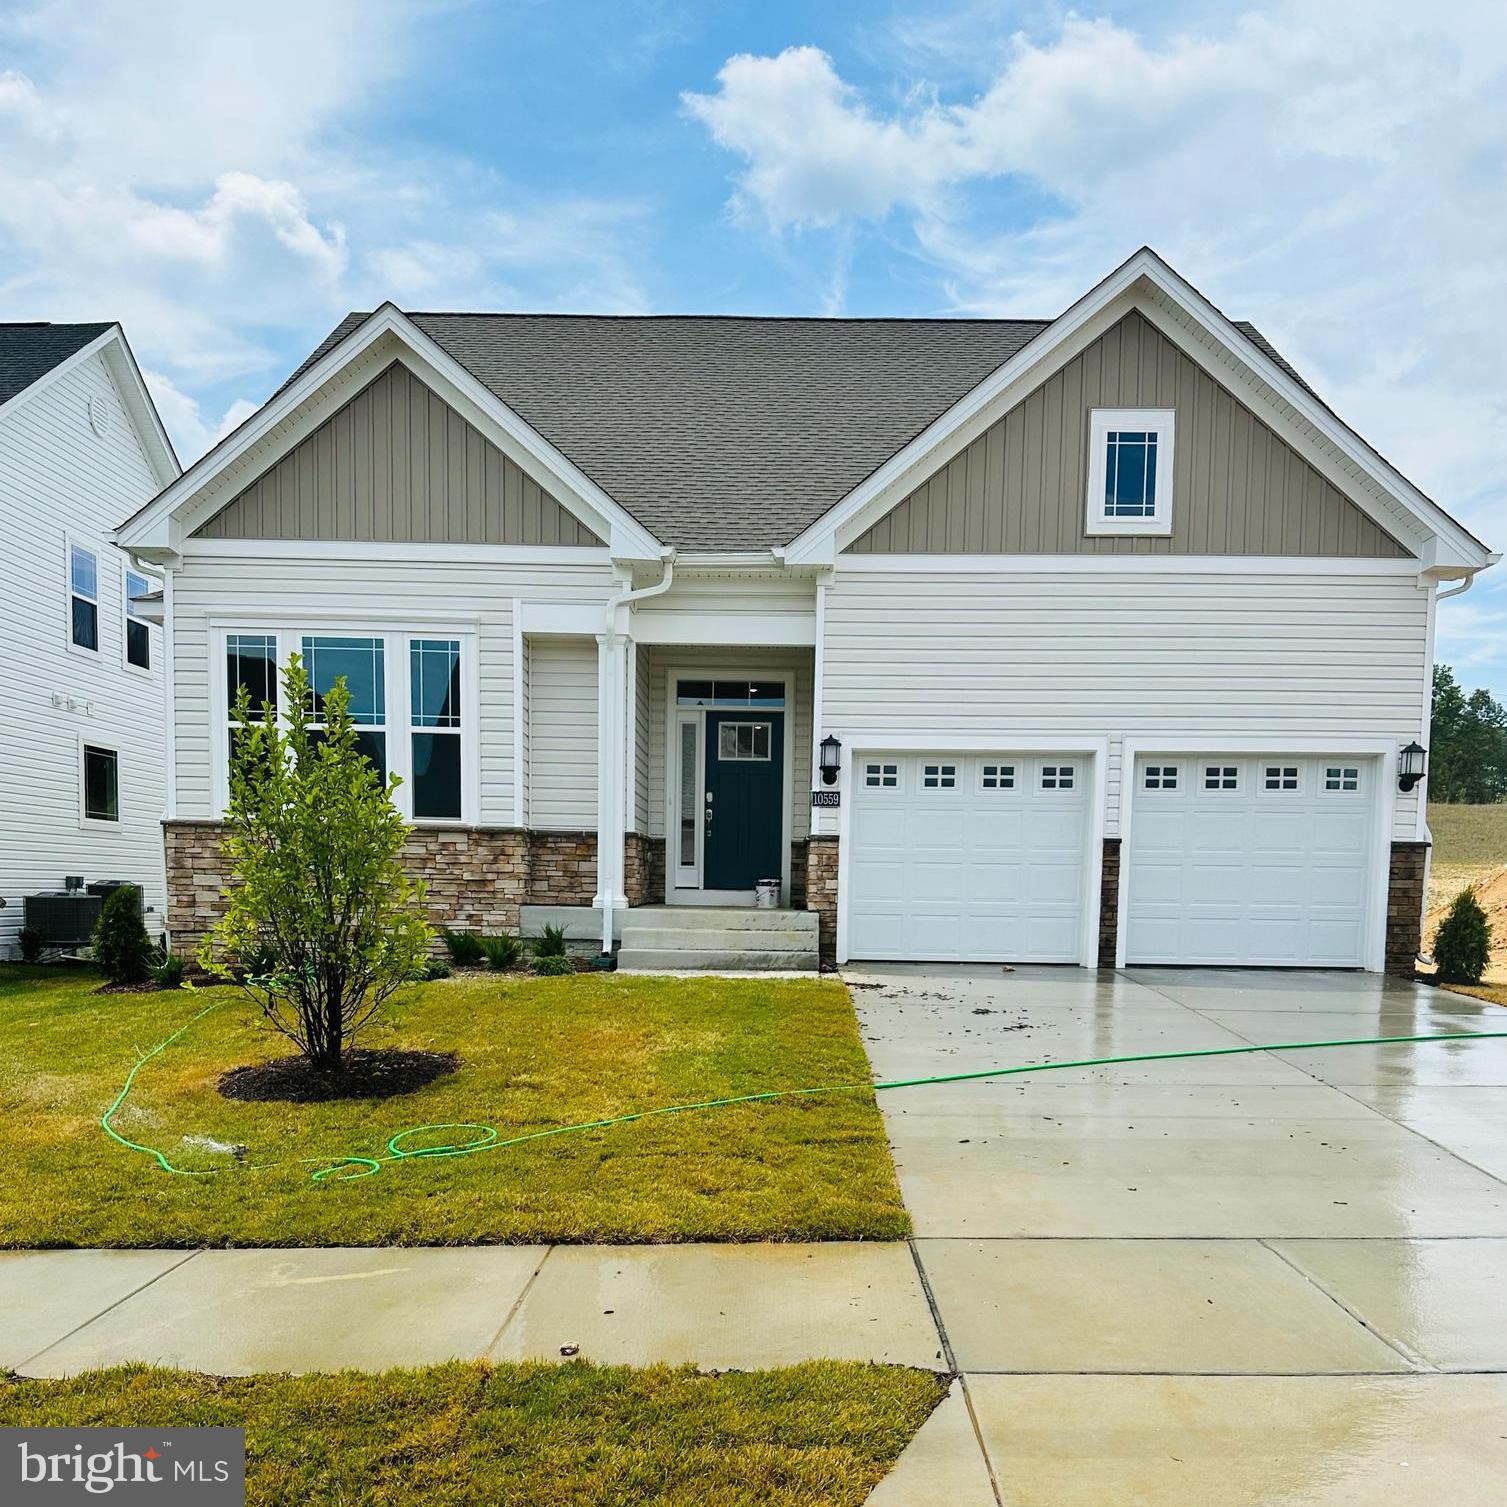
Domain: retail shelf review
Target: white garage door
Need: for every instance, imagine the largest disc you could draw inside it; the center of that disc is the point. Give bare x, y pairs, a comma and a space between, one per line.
968, 857
1244, 860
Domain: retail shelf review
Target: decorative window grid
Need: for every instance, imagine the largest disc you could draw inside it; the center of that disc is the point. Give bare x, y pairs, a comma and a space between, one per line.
1058, 776
997, 777
939, 776
881, 776
1281, 777
1221, 777
1161, 777
1341, 777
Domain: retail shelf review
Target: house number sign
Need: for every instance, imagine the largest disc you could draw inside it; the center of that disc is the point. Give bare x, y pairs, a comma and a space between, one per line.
826, 797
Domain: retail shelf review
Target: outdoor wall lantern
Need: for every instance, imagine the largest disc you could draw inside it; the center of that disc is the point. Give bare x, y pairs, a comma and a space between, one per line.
831, 759
1410, 764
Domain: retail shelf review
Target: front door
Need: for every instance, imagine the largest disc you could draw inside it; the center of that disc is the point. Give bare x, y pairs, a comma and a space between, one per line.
745, 764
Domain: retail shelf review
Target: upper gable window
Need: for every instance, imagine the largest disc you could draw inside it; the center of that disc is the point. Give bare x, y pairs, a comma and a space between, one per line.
1130, 471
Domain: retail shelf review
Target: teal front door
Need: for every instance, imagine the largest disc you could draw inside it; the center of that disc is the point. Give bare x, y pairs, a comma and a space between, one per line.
745, 766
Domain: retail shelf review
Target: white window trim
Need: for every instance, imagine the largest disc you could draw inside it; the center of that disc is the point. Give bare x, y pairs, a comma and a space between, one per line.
127, 570
1163, 423
93, 547
99, 823
398, 725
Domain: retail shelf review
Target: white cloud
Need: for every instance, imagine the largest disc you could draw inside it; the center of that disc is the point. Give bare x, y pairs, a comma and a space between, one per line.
1334, 172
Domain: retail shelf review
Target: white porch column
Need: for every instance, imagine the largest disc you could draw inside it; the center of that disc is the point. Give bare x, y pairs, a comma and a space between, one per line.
610, 745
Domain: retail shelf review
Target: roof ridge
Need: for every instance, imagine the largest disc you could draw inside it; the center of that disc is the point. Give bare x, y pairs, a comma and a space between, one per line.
747, 318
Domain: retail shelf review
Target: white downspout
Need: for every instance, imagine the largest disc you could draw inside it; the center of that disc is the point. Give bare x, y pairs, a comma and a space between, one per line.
611, 782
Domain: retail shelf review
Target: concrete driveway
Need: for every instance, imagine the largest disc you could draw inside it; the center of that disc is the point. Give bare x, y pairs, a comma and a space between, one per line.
1273, 1278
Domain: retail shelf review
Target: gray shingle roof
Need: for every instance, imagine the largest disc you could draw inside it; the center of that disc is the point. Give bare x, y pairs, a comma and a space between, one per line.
29, 351
723, 432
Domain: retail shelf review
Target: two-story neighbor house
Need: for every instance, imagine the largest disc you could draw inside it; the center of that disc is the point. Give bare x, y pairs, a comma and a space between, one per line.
82, 681
1112, 632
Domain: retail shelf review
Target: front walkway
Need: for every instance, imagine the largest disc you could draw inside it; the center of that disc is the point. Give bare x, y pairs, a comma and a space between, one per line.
1236, 1280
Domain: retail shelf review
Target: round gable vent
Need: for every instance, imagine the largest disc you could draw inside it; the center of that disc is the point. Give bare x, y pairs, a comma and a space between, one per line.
99, 416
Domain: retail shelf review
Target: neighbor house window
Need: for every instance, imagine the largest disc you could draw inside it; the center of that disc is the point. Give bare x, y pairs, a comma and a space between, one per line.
250, 664
362, 664
1221, 777
881, 776
1130, 471
1057, 776
138, 638
939, 776
101, 782
1161, 776
83, 599
998, 777
1341, 777
435, 712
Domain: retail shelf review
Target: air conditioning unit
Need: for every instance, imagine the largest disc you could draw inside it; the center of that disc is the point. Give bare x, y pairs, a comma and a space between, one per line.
62, 918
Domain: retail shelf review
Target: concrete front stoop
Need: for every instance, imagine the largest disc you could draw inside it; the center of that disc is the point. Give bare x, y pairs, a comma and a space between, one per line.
726, 938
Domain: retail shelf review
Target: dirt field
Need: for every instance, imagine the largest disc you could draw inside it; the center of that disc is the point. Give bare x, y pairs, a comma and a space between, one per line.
1470, 847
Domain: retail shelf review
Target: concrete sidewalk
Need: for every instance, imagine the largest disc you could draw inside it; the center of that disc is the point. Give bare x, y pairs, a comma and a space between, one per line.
236, 1312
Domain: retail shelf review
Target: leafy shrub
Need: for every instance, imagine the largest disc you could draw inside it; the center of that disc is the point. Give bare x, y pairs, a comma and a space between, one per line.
431, 969
1463, 947
502, 951
465, 948
550, 943
121, 945
167, 971
313, 840
553, 965
29, 940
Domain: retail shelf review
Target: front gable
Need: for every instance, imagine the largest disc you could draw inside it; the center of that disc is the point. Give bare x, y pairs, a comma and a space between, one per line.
1020, 486
397, 464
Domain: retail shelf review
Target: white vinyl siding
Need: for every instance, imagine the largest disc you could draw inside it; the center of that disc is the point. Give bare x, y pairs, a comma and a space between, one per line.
754, 661
59, 480
990, 655
562, 692
378, 595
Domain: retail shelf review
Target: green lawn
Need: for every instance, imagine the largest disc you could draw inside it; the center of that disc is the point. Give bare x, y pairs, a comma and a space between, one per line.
550, 1436
534, 1053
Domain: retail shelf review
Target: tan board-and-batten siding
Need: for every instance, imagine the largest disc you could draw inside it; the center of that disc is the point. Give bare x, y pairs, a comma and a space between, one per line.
1020, 487
398, 464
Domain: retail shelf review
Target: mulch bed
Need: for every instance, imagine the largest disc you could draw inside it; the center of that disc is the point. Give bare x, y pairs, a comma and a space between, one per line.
365, 1075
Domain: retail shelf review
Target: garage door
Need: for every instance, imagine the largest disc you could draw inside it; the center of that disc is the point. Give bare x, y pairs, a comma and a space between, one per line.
968, 857
1243, 860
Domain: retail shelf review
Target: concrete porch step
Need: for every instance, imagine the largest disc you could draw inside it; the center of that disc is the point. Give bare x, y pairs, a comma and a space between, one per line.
715, 959
726, 939
728, 918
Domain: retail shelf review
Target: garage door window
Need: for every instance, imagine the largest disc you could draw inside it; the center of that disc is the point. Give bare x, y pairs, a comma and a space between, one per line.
1057, 776
939, 776
881, 776
1161, 776
997, 777
1221, 777
1341, 777
1281, 777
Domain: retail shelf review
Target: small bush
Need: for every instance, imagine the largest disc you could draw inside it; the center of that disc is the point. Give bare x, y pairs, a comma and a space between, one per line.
465, 948
29, 940
167, 971
431, 969
1463, 947
502, 951
121, 945
550, 943
553, 965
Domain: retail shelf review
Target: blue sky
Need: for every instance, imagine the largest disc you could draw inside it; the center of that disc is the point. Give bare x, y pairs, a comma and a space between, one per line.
229, 179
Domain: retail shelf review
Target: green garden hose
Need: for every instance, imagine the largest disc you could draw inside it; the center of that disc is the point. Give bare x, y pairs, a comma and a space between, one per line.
487, 1138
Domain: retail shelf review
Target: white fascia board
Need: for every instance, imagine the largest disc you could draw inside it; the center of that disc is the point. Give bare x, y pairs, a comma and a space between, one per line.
160, 527
820, 542
137, 397
560, 618
1118, 565
743, 629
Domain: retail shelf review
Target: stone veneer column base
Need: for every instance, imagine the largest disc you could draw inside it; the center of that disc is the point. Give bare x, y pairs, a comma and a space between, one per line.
1405, 907
1109, 903
643, 869
821, 894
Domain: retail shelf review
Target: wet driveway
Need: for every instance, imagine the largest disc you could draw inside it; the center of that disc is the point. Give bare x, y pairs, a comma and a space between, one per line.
1274, 1277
